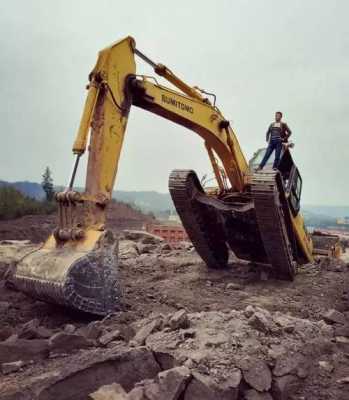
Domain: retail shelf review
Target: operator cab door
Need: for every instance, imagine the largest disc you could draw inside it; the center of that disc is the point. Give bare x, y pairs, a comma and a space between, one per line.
294, 190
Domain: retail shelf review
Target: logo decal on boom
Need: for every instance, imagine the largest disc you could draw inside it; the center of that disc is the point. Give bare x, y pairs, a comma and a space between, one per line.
177, 104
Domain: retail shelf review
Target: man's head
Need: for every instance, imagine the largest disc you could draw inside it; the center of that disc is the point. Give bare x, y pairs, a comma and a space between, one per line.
278, 116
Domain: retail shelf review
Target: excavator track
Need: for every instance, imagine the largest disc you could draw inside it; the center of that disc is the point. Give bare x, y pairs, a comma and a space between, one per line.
267, 194
199, 220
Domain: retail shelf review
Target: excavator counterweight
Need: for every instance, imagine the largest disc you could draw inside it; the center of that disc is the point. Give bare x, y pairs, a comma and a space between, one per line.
255, 215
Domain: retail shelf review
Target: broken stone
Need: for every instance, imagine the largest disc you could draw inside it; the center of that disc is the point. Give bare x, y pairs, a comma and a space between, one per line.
249, 311
166, 247
234, 286
342, 330
179, 320
23, 349
334, 316
325, 365
146, 248
4, 306
165, 360
28, 330
257, 374
205, 388
5, 333
342, 339
69, 328
173, 382
343, 380
65, 342
128, 249
109, 337
284, 387
216, 340
289, 364
285, 323
146, 330
92, 331
8, 368
12, 338
42, 333
109, 392
136, 393
260, 322
254, 395
188, 334
144, 237
152, 390
79, 380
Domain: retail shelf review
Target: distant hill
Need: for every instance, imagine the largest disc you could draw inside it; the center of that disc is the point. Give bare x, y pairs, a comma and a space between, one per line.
30, 189
158, 203
148, 201
330, 211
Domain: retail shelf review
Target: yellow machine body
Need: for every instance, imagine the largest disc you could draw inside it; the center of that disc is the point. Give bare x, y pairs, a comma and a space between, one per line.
76, 266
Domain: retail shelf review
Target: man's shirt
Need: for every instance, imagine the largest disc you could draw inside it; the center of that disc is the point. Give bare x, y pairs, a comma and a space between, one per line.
278, 130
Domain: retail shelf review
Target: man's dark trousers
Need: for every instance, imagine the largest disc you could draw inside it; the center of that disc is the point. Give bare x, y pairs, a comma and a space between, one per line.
274, 144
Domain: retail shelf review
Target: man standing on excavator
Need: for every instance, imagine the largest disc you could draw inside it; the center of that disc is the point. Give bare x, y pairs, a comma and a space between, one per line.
277, 134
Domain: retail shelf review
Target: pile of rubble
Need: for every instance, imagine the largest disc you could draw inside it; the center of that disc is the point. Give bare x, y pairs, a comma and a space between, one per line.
251, 354
174, 352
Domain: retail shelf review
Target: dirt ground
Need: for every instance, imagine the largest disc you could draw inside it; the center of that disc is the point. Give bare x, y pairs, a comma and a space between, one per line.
166, 281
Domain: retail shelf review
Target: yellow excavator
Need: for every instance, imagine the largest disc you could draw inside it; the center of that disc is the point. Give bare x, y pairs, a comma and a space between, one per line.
256, 215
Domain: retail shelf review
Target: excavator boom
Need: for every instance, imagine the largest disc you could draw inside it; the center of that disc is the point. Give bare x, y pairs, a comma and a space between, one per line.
77, 266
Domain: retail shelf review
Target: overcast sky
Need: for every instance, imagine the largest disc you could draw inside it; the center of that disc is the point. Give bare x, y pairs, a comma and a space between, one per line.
257, 56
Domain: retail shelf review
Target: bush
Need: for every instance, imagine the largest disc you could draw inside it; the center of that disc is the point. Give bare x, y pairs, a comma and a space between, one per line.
14, 204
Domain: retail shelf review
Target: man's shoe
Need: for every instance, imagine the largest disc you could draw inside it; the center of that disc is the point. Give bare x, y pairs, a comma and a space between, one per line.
257, 169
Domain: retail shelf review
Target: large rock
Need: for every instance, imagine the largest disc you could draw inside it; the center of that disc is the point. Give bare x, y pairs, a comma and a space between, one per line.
179, 320
334, 316
78, 380
169, 384
261, 321
284, 387
341, 330
14, 366
257, 374
92, 331
145, 331
23, 349
205, 388
128, 249
294, 364
5, 333
32, 330
109, 337
254, 395
143, 236
110, 392
65, 342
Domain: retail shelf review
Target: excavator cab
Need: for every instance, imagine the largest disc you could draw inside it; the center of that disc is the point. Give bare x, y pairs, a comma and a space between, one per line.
292, 179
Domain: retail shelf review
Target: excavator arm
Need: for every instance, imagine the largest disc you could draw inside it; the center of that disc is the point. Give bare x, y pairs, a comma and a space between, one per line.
75, 265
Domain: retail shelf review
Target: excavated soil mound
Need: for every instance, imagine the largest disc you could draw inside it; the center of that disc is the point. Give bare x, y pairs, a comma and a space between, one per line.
185, 333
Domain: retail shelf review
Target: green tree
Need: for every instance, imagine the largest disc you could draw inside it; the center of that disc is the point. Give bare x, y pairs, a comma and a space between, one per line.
47, 184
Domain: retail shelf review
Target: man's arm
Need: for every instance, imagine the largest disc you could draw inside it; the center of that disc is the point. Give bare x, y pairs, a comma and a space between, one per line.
268, 133
287, 130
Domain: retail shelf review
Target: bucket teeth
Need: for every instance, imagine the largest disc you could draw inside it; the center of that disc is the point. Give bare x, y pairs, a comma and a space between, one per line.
82, 279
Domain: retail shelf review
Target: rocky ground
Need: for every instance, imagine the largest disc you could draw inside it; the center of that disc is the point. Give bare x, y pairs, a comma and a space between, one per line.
185, 333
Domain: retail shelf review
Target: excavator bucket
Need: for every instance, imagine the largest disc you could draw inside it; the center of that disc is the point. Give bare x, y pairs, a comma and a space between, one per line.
81, 275
326, 244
